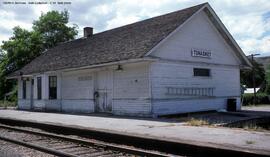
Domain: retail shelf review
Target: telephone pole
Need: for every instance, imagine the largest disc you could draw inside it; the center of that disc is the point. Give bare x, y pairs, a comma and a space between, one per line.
253, 78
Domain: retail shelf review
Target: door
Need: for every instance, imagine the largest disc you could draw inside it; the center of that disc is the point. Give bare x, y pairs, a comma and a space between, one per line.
32, 94
104, 85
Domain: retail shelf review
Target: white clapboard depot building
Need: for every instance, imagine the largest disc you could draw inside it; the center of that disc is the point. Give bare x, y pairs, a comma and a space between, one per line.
184, 61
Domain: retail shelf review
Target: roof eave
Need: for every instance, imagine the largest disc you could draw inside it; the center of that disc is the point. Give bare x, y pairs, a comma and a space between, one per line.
12, 77
236, 47
17, 77
143, 59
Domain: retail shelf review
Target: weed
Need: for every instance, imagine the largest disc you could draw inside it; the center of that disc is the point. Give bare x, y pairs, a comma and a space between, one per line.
250, 142
197, 122
7, 104
252, 127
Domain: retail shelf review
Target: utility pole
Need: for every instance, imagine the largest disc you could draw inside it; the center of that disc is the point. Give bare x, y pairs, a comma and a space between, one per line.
253, 78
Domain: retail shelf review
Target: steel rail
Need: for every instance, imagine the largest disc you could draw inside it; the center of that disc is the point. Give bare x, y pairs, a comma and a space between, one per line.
109, 146
37, 147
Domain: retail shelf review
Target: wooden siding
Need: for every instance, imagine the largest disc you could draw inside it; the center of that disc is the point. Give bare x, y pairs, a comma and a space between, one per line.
131, 90
225, 80
80, 106
74, 87
192, 105
24, 104
198, 33
142, 88
77, 91
175, 69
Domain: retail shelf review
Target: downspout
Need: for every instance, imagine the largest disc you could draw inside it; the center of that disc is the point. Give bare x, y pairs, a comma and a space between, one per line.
61, 85
150, 88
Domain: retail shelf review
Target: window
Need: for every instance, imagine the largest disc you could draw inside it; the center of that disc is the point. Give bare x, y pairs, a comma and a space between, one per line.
39, 88
201, 72
52, 87
24, 89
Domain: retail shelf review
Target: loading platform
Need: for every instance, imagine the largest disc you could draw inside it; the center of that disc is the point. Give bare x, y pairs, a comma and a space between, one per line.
153, 130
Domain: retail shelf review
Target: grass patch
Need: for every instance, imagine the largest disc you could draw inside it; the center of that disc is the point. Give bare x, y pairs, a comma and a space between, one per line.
250, 142
257, 105
253, 127
197, 122
7, 103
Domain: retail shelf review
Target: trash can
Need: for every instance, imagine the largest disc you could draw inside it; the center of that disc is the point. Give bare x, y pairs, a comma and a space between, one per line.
231, 105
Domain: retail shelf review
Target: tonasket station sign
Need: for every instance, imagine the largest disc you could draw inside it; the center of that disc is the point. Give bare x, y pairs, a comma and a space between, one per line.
201, 53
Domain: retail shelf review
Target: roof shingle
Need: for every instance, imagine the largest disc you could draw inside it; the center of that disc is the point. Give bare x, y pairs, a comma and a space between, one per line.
127, 42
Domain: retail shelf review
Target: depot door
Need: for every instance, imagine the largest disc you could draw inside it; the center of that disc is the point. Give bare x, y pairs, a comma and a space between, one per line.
104, 85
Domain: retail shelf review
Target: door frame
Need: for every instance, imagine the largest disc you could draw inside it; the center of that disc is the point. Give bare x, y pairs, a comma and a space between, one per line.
109, 79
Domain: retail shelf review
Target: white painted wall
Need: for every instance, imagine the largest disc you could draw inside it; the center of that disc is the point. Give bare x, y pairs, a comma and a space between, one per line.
198, 33
19, 88
175, 69
40, 104
131, 90
139, 84
77, 94
225, 80
44, 103
24, 103
191, 105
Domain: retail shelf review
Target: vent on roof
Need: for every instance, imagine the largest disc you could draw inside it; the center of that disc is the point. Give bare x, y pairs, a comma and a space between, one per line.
87, 32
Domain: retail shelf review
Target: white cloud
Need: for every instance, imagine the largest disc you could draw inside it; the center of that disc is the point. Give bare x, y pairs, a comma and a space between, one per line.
246, 26
121, 20
41, 9
255, 45
246, 23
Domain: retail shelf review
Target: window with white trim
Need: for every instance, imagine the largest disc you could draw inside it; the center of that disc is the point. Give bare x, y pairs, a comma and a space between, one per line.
52, 87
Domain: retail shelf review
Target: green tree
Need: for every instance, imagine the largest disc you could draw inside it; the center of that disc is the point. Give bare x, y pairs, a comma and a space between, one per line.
3, 63
247, 74
267, 77
50, 29
21, 48
53, 28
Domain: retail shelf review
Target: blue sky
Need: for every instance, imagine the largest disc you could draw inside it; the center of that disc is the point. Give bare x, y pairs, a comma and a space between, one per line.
247, 20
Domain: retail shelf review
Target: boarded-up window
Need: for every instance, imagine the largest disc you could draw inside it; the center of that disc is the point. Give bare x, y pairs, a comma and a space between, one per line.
24, 89
39, 90
201, 72
52, 87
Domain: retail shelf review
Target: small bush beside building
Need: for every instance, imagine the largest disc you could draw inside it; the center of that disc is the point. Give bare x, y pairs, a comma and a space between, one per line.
261, 98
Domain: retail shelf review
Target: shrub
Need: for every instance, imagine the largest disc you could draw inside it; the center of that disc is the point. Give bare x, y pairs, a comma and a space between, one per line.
7, 104
262, 98
267, 78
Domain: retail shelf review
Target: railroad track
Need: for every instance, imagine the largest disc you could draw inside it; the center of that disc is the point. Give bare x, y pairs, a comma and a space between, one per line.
66, 146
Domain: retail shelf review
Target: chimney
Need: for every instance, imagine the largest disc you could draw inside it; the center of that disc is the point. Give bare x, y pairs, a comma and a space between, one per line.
87, 32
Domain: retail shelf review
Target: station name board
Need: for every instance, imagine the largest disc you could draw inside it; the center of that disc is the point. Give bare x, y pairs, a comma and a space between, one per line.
201, 53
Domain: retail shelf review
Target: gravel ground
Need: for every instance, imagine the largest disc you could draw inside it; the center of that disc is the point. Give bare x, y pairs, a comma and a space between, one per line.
216, 137
12, 150
57, 144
